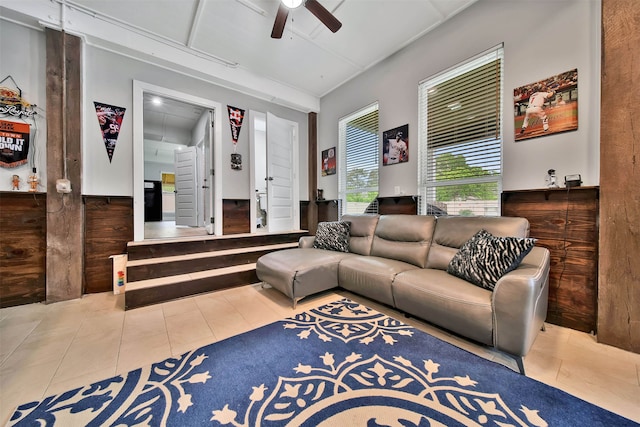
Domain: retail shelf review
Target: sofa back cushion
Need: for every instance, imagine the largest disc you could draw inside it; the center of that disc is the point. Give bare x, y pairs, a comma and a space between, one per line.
452, 232
362, 229
404, 238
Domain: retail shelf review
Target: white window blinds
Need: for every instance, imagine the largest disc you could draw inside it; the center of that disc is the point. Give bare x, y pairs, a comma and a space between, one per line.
460, 141
358, 166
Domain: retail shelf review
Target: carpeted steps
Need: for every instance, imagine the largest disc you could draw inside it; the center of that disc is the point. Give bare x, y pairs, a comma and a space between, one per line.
159, 271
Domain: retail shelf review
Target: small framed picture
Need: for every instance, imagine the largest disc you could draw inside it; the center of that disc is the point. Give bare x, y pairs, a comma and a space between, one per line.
329, 161
395, 145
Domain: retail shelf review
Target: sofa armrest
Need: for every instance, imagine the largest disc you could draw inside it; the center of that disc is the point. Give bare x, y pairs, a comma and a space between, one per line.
519, 303
306, 241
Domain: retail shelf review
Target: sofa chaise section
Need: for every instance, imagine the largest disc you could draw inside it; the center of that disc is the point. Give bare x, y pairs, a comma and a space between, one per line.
306, 270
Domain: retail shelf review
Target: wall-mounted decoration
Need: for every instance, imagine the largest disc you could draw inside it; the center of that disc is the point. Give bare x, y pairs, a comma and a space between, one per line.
395, 145
14, 143
329, 161
546, 107
236, 115
12, 103
110, 119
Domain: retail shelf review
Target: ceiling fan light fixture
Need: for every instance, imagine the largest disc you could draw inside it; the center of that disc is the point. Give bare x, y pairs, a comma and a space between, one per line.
292, 4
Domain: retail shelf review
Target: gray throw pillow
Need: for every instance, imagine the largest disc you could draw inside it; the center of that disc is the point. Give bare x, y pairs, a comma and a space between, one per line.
333, 236
485, 258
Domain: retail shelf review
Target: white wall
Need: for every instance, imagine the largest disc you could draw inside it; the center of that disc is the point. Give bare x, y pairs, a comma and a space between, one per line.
108, 78
541, 38
23, 57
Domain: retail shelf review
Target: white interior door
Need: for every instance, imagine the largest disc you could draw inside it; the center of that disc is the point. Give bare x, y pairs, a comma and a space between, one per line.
283, 200
186, 187
209, 190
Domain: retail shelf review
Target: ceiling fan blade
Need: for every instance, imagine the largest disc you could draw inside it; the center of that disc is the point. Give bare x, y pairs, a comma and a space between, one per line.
323, 15
281, 20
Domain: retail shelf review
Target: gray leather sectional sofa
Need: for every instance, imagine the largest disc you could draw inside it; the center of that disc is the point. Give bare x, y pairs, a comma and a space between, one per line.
402, 261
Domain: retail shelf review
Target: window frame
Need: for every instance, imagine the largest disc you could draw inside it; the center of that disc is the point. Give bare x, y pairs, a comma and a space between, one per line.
428, 184
343, 167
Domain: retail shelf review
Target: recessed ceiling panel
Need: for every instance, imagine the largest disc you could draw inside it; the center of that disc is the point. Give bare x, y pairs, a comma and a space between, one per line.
294, 59
169, 18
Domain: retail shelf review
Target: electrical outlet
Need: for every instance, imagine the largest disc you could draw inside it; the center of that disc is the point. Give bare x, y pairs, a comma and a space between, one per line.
63, 186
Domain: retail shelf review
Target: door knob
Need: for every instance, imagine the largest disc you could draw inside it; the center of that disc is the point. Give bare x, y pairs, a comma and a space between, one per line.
269, 178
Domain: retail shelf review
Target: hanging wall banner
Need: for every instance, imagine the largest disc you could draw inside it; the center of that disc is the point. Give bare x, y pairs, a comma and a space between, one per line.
110, 120
236, 115
14, 143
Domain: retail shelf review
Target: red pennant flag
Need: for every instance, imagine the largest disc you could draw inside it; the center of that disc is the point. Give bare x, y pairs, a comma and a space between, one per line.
236, 115
110, 120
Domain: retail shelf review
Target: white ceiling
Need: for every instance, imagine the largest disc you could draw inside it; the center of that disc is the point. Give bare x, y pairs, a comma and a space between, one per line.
228, 41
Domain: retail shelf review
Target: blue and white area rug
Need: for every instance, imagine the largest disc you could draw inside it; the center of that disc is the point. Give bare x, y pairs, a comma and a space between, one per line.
342, 364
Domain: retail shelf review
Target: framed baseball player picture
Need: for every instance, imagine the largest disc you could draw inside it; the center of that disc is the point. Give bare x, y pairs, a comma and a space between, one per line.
329, 161
395, 145
546, 107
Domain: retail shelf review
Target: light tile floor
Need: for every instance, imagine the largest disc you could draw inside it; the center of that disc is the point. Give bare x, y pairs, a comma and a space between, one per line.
47, 349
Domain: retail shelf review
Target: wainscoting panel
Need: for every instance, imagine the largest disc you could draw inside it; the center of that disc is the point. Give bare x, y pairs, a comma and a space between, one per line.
566, 223
327, 210
405, 205
108, 229
236, 218
23, 248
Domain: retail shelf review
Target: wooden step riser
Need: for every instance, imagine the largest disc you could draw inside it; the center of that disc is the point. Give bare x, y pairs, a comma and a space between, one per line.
143, 297
167, 249
173, 268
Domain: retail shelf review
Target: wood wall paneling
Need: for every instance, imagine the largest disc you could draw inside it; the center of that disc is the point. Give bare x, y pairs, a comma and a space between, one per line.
236, 217
304, 215
404, 205
64, 211
327, 210
619, 269
566, 223
23, 242
108, 229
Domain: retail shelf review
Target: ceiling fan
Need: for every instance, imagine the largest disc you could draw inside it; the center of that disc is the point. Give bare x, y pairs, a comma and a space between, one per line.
313, 6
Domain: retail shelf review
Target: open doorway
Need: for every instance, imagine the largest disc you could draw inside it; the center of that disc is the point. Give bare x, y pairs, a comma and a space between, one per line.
274, 172
175, 156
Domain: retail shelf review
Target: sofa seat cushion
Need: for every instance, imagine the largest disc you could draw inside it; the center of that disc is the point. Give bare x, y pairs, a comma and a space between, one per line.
371, 276
300, 272
446, 301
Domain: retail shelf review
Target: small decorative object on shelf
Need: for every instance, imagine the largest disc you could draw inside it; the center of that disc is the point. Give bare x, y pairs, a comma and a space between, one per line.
33, 181
15, 182
320, 194
551, 179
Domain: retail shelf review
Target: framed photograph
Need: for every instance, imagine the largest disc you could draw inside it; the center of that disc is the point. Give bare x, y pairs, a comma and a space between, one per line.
329, 161
395, 145
546, 107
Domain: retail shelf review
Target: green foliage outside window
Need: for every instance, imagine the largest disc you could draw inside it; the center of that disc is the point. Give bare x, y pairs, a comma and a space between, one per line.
362, 179
455, 167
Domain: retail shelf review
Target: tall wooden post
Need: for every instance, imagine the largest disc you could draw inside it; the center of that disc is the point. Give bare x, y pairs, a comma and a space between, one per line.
65, 222
619, 269
313, 172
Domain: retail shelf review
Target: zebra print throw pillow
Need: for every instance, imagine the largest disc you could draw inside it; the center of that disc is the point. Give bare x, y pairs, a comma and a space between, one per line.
333, 236
485, 258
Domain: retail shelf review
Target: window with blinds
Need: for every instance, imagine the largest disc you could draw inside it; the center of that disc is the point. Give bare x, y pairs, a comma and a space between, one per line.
358, 166
460, 139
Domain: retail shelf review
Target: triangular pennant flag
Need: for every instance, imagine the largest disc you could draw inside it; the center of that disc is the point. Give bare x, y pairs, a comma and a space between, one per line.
110, 120
236, 115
